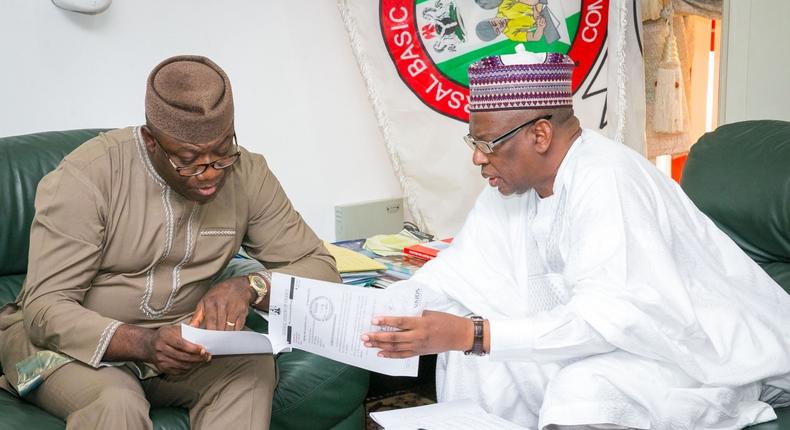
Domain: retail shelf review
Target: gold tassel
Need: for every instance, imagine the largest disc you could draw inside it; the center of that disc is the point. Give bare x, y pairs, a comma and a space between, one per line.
651, 9
668, 116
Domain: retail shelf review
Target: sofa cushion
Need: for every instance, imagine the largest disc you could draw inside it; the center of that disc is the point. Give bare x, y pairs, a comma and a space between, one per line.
9, 288
738, 176
781, 423
24, 160
302, 399
18, 414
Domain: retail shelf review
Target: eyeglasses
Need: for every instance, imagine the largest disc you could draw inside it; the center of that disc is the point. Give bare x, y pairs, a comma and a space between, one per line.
197, 169
488, 147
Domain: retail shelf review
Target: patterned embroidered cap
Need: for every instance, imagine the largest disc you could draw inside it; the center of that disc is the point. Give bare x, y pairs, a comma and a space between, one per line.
189, 97
524, 80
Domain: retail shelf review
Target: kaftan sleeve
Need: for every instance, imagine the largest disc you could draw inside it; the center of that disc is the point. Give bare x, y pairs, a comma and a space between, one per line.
457, 278
549, 336
470, 272
66, 240
277, 236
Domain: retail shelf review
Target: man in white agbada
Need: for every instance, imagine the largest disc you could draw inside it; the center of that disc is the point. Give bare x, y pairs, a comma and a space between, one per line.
608, 300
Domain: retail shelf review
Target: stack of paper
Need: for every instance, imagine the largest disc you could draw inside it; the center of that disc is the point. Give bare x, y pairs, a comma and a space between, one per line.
387, 279
234, 342
354, 267
428, 250
350, 261
401, 264
455, 415
398, 267
360, 278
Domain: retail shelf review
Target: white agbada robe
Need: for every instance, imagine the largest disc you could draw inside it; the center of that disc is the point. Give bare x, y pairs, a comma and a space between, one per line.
615, 300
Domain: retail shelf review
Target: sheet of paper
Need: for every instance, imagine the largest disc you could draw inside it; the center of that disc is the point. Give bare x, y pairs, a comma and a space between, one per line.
328, 319
234, 342
455, 415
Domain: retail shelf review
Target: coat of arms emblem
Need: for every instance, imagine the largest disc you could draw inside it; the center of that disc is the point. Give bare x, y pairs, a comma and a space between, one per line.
433, 42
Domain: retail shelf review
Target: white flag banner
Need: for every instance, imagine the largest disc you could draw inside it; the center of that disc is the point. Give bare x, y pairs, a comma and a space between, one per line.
414, 54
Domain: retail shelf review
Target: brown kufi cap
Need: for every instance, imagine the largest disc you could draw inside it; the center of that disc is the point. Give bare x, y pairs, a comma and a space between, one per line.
188, 97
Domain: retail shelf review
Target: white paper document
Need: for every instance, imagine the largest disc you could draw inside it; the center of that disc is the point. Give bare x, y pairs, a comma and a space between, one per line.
323, 318
455, 415
234, 342
328, 319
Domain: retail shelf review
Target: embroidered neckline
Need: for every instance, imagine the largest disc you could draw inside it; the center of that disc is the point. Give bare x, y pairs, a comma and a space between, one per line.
166, 193
146, 160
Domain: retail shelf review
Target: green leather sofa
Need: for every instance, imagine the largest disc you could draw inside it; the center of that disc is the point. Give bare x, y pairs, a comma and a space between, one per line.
739, 175
312, 393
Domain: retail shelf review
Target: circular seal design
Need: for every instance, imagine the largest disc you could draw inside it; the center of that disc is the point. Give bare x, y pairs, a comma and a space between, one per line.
433, 42
321, 308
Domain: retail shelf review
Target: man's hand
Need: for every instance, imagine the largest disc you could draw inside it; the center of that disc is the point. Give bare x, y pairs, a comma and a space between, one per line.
225, 305
431, 333
171, 354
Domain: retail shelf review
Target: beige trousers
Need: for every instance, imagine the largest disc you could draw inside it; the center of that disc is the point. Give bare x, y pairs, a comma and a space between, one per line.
229, 392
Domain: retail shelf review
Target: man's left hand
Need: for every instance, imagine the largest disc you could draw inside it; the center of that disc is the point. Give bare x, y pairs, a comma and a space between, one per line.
225, 306
431, 333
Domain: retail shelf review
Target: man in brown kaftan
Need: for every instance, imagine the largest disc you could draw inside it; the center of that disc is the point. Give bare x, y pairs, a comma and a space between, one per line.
129, 232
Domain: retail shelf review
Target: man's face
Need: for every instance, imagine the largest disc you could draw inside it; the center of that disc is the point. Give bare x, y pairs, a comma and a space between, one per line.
200, 188
515, 165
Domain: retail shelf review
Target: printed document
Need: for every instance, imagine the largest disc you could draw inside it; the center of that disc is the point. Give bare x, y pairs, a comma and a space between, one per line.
328, 319
320, 317
455, 415
233, 342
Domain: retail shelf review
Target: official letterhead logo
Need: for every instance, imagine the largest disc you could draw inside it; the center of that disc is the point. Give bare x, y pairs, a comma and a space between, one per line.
433, 42
321, 308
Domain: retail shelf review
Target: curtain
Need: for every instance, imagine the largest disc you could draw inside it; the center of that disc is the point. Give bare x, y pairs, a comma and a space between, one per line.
656, 31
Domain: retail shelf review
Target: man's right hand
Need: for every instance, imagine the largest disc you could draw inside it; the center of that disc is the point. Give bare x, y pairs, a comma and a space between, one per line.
171, 354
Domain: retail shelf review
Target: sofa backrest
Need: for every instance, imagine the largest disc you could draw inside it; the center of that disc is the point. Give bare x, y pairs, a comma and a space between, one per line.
24, 160
739, 175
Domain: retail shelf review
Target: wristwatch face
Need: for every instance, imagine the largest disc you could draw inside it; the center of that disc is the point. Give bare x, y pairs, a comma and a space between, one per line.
259, 284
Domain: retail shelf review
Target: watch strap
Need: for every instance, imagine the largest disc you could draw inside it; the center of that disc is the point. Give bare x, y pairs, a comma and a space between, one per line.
477, 340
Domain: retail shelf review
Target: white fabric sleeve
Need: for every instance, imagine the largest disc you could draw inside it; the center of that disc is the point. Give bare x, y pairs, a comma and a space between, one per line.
464, 279
459, 279
549, 336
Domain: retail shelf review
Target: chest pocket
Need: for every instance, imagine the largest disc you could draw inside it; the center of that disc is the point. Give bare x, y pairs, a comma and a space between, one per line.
216, 244
215, 232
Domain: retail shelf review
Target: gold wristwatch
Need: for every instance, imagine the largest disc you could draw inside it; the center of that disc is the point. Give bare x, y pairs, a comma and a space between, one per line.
260, 284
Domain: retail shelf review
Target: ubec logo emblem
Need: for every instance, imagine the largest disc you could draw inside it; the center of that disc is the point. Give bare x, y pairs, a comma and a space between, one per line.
432, 42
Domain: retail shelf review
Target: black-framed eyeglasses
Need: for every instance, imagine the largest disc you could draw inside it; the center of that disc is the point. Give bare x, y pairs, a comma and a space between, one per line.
488, 147
197, 169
